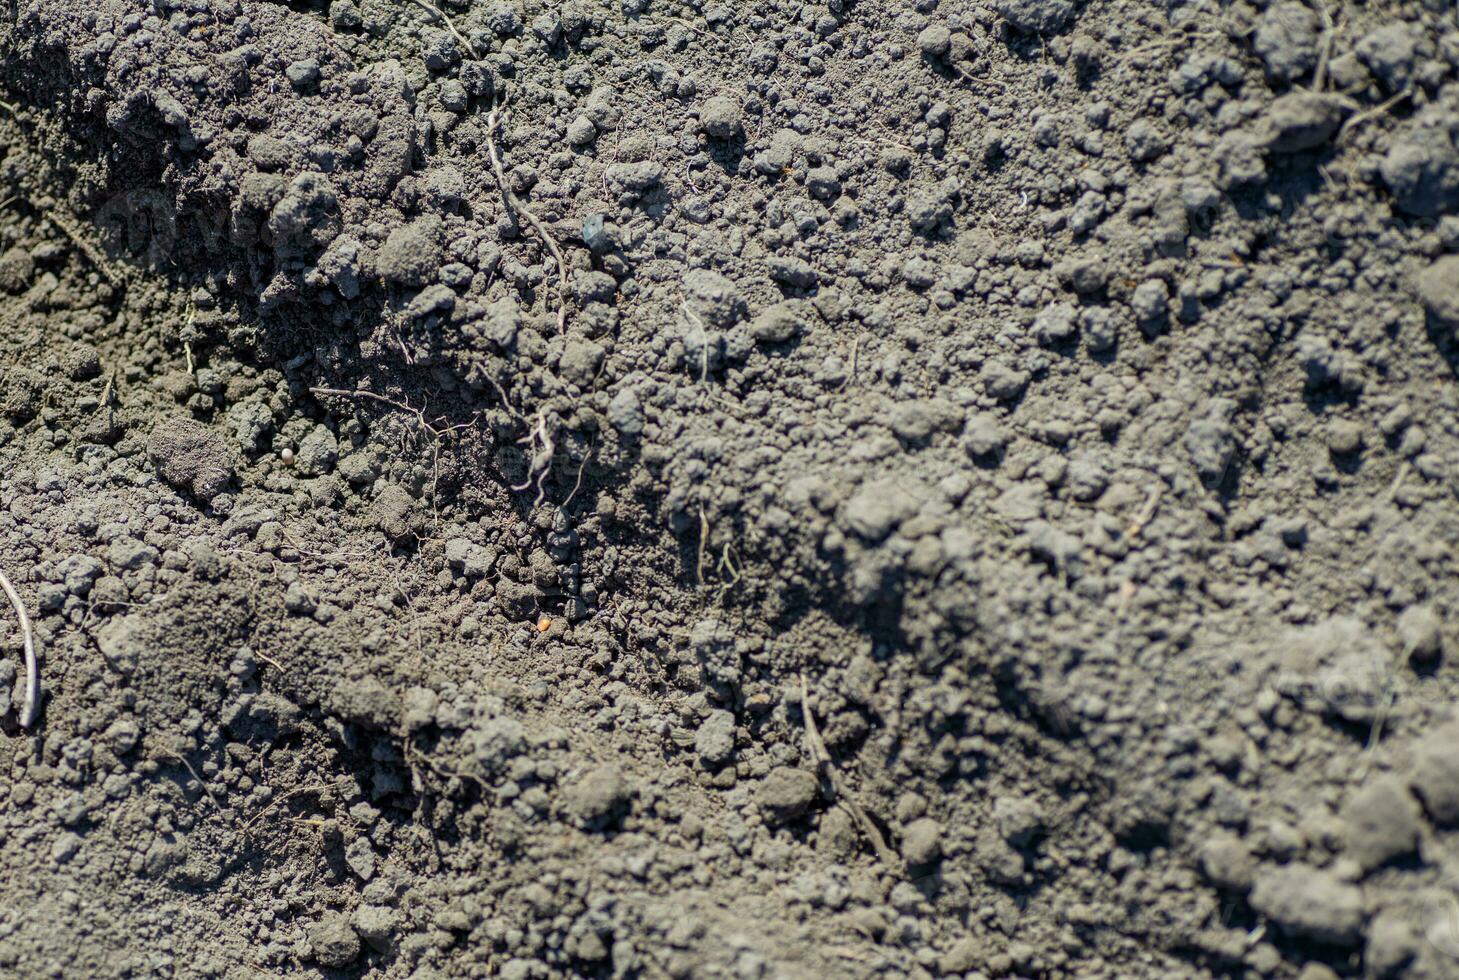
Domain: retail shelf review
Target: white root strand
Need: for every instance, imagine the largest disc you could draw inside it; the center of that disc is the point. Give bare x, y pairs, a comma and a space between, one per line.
32, 669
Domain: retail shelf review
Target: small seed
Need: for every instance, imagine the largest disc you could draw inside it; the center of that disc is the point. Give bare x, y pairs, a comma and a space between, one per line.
287, 455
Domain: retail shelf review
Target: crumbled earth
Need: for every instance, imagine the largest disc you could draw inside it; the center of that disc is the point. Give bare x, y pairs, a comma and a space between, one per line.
642, 488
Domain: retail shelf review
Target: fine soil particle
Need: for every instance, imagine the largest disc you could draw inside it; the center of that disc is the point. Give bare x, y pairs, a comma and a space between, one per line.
654, 488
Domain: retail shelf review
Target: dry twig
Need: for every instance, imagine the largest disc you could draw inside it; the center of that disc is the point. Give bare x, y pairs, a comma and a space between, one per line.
383, 400
300, 791
510, 196
1354, 121
437, 13
32, 669
201, 784
832, 779
1324, 53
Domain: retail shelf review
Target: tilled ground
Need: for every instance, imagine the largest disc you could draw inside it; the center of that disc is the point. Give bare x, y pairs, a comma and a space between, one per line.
647, 488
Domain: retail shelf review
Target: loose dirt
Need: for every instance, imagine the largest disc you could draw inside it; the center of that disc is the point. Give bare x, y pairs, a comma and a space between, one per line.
655, 488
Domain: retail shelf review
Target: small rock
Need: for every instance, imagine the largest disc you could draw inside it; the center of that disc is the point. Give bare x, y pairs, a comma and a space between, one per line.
1438, 290
1310, 904
333, 941
721, 118
303, 74
935, 41
712, 299
1381, 823
785, 794
1041, 17
1228, 863
922, 842
192, 457
715, 739
1419, 632
600, 798
1344, 437
581, 132
1299, 121
1434, 774
596, 235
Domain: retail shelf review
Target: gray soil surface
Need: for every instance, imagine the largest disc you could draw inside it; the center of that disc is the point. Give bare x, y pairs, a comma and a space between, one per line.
749, 489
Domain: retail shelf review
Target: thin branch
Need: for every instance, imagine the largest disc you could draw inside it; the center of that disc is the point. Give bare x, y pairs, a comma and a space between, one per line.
1324, 53
1353, 122
510, 196
383, 400
440, 16
832, 780
32, 669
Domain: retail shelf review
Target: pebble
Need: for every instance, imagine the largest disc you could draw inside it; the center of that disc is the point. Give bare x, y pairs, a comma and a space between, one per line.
596, 235
1420, 634
1438, 290
581, 132
786, 793
935, 41
1434, 774
713, 299
1344, 437
922, 842
600, 797
1228, 862
715, 740
334, 941
1042, 17
1382, 822
1308, 903
1299, 121
721, 118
